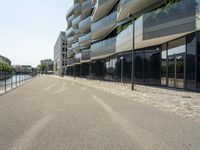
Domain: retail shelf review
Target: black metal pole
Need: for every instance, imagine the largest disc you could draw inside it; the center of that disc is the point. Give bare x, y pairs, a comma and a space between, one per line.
16, 79
122, 69
133, 61
11, 80
5, 80
74, 72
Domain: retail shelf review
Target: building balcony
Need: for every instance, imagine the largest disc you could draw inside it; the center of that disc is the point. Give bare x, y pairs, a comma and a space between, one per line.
103, 27
76, 47
77, 9
70, 61
125, 40
77, 58
165, 24
135, 7
102, 8
85, 55
70, 11
70, 53
86, 8
70, 41
103, 49
84, 26
75, 22
70, 32
76, 37
85, 40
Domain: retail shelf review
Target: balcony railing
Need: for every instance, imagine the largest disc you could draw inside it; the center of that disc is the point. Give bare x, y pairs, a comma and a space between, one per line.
103, 49
134, 6
178, 17
86, 8
85, 40
76, 47
70, 53
85, 55
70, 11
77, 58
77, 9
125, 40
84, 26
70, 32
103, 27
75, 22
70, 40
101, 9
70, 61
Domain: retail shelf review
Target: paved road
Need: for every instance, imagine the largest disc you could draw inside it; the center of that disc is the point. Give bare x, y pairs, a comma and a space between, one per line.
55, 114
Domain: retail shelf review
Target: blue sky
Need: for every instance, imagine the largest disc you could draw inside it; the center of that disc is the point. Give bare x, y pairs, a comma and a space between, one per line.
29, 28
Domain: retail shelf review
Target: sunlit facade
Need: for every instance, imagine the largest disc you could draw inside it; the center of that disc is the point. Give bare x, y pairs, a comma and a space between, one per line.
165, 36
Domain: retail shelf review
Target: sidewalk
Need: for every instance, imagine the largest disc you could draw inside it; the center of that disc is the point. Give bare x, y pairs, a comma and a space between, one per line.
180, 102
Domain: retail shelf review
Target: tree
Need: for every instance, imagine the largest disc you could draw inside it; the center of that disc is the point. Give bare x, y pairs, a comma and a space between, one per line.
42, 68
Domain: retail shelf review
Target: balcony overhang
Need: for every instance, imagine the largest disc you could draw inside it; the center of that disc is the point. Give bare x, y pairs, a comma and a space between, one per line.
102, 8
103, 49
135, 6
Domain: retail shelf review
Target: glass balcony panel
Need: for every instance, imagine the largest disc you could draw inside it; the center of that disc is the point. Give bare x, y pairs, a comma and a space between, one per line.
75, 22
77, 58
175, 18
76, 47
70, 53
70, 11
134, 6
125, 40
85, 40
103, 27
101, 9
70, 61
86, 8
77, 9
103, 49
85, 55
84, 26
70, 32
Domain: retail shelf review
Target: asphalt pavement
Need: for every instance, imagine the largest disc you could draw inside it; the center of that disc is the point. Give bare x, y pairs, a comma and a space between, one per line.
51, 113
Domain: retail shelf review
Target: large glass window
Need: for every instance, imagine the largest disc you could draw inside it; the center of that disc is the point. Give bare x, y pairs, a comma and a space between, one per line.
176, 63
164, 65
152, 65
139, 66
198, 61
190, 59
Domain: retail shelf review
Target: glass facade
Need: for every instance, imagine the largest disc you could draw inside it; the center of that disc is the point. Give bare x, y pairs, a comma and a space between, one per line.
174, 64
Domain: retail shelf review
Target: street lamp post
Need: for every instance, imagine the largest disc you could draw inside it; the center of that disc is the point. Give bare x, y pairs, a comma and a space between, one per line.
131, 17
122, 68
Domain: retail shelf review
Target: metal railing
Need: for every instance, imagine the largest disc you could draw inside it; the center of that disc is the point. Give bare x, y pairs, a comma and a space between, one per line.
12, 81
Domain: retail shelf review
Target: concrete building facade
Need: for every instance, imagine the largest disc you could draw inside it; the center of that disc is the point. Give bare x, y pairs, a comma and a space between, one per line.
160, 37
60, 55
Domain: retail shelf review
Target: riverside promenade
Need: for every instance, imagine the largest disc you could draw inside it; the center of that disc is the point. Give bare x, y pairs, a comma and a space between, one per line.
53, 113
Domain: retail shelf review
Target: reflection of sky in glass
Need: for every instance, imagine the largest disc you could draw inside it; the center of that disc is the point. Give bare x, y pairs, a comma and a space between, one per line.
177, 50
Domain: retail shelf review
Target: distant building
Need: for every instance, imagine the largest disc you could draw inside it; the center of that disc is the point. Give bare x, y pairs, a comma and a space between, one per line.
5, 60
60, 55
49, 64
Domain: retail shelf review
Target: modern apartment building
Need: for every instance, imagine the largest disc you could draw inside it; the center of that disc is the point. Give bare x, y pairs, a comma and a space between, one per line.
60, 55
164, 35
